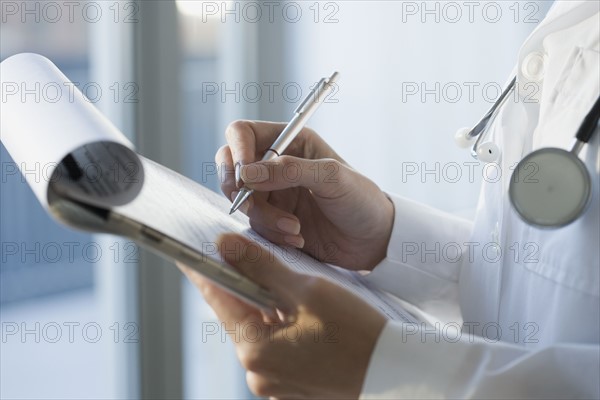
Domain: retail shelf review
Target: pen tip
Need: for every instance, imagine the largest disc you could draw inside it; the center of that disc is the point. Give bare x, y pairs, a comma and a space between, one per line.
241, 197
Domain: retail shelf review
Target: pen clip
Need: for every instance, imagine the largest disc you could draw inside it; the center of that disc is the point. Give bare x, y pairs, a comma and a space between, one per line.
312, 93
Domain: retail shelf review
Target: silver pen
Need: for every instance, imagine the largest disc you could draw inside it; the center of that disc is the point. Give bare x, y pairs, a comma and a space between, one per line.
301, 115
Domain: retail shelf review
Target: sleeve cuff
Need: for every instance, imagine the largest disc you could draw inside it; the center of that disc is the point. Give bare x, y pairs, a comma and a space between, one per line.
423, 259
418, 362
396, 367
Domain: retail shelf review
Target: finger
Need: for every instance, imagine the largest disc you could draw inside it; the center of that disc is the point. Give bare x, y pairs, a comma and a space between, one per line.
274, 218
226, 170
227, 307
259, 265
324, 177
265, 386
275, 236
247, 138
307, 144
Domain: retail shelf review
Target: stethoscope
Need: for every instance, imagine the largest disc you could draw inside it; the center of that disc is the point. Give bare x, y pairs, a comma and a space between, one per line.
550, 187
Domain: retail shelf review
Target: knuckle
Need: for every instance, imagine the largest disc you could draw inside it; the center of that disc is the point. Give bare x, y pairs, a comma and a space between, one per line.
250, 360
290, 169
332, 161
334, 173
306, 137
285, 160
235, 127
259, 385
310, 132
221, 156
331, 164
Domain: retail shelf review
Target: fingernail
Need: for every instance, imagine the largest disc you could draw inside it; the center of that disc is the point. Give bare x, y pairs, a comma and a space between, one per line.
296, 241
238, 175
290, 318
254, 173
288, 225
287, 317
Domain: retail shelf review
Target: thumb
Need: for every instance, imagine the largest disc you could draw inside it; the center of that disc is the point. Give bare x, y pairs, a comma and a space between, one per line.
325, 177
260, 266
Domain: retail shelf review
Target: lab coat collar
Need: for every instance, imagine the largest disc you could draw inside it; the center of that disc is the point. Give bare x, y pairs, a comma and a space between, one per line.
562, 15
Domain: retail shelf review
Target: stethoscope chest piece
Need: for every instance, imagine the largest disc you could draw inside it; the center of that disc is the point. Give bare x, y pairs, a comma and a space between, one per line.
550, 188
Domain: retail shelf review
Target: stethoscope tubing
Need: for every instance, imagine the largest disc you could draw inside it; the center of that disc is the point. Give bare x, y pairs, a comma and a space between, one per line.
522, 194
481, 128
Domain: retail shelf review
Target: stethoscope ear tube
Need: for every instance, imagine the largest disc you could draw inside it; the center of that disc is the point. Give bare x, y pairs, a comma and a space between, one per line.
482, 127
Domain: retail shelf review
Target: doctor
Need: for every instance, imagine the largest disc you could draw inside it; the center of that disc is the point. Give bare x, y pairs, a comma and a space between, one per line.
528, 305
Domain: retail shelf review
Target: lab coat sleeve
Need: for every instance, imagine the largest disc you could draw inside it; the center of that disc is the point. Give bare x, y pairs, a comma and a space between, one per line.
423, 258
412, 363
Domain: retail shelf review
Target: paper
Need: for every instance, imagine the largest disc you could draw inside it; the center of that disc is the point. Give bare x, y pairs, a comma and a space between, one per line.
194, 215
45, 117
86, 159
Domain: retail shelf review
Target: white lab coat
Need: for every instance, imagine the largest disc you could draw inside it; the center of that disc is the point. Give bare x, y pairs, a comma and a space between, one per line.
529, 298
